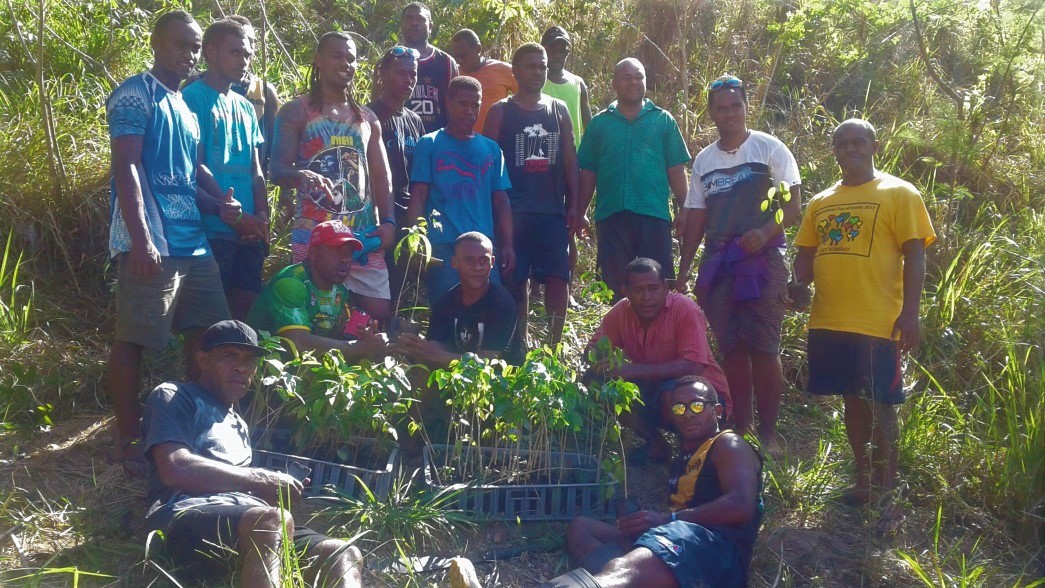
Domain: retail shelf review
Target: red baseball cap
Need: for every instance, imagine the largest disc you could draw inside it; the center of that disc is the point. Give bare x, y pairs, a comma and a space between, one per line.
333, 233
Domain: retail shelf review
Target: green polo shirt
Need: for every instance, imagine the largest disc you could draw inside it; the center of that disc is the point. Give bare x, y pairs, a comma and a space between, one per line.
631, 160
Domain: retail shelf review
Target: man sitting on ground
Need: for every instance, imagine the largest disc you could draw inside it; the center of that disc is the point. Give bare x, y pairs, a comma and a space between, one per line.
475, 316
308, 304
206, 499
663, 336
707, 537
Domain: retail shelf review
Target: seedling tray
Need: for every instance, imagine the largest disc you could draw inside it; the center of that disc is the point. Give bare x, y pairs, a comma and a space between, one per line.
583, 488
343, 476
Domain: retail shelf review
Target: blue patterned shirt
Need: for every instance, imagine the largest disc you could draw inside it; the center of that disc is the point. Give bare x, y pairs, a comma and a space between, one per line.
142, 105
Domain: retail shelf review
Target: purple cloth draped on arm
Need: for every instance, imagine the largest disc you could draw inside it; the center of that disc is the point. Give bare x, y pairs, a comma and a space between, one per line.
750, 271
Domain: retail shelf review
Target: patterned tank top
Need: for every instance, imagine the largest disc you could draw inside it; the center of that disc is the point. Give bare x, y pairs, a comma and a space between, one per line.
335, 149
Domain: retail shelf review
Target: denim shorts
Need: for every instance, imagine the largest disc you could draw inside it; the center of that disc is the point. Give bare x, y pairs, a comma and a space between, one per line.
698, 557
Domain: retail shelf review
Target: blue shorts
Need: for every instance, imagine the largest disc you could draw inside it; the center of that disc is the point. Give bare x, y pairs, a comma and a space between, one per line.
240, 263
698, 557
542, 246
843, 363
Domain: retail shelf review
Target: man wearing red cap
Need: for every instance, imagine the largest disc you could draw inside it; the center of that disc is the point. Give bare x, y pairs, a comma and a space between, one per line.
308, 304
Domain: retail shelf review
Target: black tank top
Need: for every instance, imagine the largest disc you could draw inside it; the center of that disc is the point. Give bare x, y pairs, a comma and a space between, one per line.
707, 489
429, 99
532, 144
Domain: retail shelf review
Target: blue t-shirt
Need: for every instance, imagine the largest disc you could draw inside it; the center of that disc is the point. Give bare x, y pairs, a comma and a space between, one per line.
141, 105
463, 175
189, 415
229, 133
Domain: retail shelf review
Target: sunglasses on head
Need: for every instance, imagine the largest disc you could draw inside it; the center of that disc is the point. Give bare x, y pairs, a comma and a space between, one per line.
400, 51
697, 407
726, 82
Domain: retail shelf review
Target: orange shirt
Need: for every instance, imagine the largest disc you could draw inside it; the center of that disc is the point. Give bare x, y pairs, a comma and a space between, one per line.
498, 83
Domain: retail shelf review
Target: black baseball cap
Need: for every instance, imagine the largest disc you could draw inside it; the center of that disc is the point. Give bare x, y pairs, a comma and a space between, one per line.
554, 34
231, 332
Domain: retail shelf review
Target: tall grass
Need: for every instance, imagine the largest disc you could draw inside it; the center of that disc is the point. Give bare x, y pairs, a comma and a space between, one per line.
16, 300
971, 439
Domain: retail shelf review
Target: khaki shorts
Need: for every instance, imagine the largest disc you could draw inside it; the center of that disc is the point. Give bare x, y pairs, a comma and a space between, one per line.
187, 294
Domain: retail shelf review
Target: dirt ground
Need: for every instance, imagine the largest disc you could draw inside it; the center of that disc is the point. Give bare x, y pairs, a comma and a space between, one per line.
71, 506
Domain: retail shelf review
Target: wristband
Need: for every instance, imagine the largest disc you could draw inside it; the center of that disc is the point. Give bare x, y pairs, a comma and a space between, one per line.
391, 222
674, 516
238, 218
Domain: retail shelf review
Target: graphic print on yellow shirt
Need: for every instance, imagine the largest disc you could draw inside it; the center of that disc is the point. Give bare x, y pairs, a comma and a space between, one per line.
858, 233
847, 228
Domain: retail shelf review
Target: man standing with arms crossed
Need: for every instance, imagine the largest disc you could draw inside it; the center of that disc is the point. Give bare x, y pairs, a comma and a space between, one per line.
536, 135
230, 139
862, 241
634, 153
167, 276
742, 281
435, 68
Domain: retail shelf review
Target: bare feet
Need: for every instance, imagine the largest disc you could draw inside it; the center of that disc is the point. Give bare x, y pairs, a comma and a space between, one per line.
771, 445
892, 516
856, 496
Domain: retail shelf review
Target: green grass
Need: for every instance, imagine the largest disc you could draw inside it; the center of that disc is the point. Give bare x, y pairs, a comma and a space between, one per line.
972, 441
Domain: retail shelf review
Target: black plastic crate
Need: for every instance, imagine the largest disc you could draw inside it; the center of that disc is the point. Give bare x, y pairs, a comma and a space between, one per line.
343, 476
588, 496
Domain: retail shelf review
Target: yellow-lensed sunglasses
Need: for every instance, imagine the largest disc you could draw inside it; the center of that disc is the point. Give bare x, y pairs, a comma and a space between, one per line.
697, 406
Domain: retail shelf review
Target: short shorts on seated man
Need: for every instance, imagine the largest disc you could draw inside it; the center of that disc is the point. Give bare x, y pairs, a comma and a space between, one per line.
707, 536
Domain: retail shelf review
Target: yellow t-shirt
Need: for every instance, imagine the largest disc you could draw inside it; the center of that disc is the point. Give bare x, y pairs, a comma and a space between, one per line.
858, 233
498, 83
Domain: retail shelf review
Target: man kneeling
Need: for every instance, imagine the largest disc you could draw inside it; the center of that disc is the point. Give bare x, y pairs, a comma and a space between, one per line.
716, 508
206, 499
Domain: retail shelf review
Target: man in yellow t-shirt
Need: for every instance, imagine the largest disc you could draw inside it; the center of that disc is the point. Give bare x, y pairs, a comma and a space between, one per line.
862, 241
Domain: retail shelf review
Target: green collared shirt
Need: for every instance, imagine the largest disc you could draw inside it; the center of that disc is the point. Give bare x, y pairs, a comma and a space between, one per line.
631, 160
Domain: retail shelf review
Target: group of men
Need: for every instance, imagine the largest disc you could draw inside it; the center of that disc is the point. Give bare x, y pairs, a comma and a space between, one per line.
502, 165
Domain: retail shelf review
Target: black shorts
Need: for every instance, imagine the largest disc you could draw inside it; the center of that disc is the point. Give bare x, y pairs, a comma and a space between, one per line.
850, 364
240, 263
201, 540
542, 246
625, 235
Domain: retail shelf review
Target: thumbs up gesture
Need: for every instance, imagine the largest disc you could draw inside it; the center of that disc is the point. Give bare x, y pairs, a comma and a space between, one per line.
229, 209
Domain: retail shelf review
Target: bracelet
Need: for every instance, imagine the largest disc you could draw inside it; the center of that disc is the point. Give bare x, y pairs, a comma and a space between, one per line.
238, 218
391, 222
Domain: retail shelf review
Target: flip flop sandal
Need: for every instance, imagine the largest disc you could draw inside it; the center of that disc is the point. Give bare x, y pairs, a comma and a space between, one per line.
578, 578
851, 496
131, 455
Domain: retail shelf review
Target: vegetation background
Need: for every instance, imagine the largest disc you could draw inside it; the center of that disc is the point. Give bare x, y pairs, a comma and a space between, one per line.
955, 88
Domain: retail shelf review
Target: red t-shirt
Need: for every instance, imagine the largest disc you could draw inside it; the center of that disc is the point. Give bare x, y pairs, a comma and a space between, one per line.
678, 332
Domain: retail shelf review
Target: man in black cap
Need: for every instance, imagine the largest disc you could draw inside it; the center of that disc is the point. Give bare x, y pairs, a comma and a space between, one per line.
205, 498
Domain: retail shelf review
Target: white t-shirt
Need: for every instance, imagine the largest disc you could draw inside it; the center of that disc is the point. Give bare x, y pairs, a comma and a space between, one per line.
732, 186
